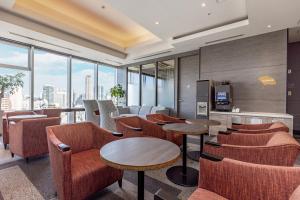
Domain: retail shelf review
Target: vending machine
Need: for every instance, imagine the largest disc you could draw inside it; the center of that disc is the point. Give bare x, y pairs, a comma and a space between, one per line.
204, 99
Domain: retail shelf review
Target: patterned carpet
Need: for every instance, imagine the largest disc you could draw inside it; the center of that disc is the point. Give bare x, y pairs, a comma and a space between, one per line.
20, 180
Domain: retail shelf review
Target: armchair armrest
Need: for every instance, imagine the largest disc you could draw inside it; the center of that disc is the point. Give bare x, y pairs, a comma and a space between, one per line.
131, 127
215, 144
63, 147
211, 157
232, 129
225, 132
251, 180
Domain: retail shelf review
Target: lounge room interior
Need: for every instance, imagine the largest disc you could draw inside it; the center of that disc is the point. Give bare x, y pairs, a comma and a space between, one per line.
162, 100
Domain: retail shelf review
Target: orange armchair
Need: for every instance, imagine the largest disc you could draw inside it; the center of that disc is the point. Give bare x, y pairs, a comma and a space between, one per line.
138, 127
269, 148
6, 124
29, 138
165, 119
259, 128
50, 112
223, 178
77, 169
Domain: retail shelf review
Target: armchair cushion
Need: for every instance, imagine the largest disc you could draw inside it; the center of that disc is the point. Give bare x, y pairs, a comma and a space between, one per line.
92, 170
296, 194
202, 194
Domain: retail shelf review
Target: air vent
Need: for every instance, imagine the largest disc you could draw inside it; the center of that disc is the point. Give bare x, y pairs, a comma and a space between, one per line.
151, 55
243, 21
224, 39
30, 38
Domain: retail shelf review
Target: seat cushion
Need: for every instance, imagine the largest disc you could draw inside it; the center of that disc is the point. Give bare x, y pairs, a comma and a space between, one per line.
202, 194
90, 174
296, 194
134, 109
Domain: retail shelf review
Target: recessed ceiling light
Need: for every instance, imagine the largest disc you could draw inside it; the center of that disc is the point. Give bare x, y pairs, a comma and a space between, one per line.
269, 26
203, 5
156, 23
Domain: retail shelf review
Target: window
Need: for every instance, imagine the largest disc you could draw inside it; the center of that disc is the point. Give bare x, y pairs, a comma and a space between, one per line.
13, 55
165, 83
133, 86
106, 80
82, 81
20, 100
50, 80
148, 84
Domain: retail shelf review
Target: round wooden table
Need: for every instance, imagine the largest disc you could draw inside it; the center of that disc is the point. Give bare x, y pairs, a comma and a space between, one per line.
195, 155
22, 117
183, 175
140, 154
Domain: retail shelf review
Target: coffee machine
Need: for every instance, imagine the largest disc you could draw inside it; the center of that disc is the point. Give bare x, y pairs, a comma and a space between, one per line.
223, 96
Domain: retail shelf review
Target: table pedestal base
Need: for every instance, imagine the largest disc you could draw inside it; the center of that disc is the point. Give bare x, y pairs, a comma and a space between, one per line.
141, 185
189, 179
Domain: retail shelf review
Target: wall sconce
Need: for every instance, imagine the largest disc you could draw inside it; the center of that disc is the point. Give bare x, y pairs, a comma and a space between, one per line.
267, 80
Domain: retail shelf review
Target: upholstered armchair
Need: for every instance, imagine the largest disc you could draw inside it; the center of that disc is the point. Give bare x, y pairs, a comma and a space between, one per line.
138, 127
259, 128
224, 178
6, 124
50, 112
77, 168
28, 137
107, 110
165, 119
92, 111
269, 148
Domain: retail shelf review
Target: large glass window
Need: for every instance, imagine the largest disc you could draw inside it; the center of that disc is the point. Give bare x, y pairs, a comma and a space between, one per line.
82, 81
106, 80
13, 55
148, 84
50, 80
165, 83
20, 100
133, 85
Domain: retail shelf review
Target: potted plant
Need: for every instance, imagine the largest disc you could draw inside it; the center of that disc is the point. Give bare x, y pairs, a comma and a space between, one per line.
117, 92
9, 84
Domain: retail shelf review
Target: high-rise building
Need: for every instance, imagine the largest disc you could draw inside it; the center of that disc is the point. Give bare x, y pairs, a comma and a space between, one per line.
88, 87
61, 98
48, 94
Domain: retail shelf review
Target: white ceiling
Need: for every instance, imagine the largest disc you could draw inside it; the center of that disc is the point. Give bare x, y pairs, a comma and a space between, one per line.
228, 18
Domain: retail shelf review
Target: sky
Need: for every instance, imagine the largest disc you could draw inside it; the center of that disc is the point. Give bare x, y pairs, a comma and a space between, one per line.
51, 69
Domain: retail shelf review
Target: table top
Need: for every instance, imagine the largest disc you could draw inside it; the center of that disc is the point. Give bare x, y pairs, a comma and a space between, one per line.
206, 122
188, 129
140, 153
21, 117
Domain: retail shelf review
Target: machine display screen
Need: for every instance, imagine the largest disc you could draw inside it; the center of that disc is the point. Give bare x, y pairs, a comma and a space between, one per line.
221, 96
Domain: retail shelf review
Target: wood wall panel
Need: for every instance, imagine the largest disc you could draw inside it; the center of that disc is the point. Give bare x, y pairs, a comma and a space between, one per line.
243, 62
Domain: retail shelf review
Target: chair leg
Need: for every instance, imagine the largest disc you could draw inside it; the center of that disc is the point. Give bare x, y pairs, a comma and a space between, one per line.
12, 154
5, 146
120, 183
27, 160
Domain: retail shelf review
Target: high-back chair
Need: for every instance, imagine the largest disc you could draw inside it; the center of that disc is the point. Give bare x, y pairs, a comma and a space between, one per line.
77, 168
224, 178
92, 111
278, 148
107, 110
259, 128
28, 137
